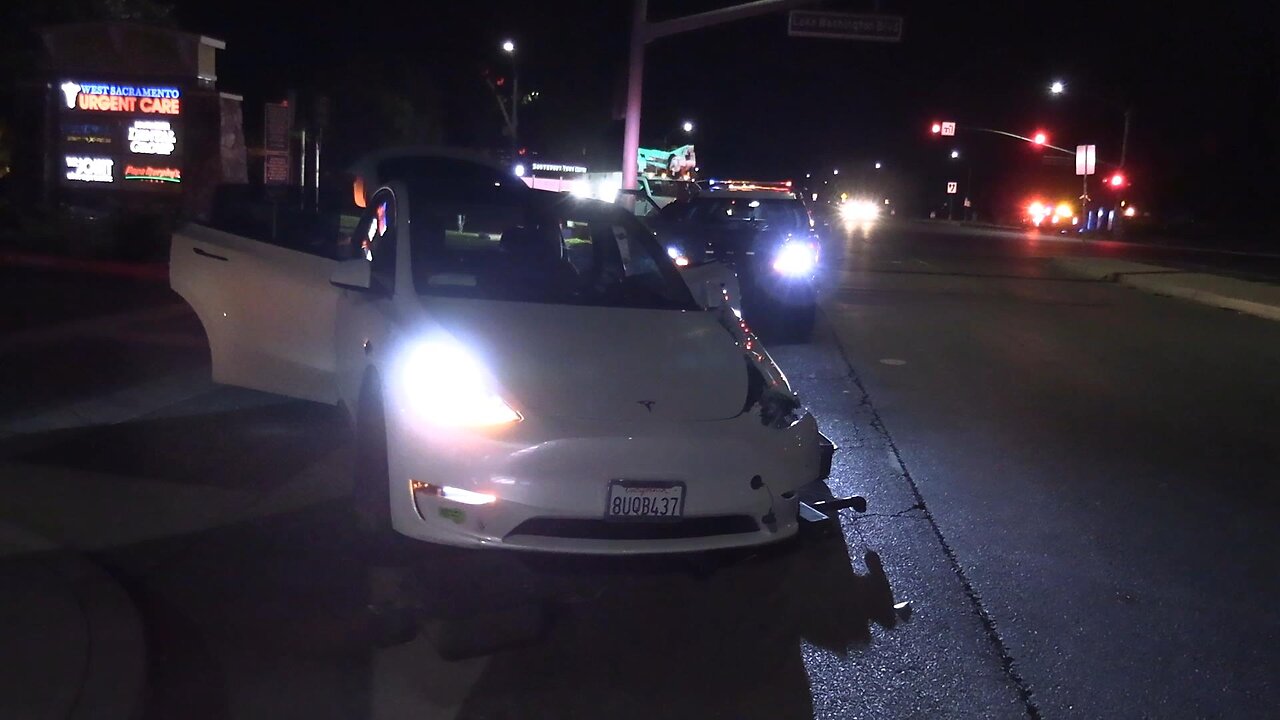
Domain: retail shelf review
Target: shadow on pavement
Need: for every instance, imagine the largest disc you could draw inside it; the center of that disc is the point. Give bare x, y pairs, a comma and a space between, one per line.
267, 619
659, 637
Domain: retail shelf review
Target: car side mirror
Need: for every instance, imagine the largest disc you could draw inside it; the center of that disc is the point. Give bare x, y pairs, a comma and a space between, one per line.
355, 274
710, 283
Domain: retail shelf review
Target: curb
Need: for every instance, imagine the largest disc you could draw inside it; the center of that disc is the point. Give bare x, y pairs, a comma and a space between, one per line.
1158, 285
1243, 296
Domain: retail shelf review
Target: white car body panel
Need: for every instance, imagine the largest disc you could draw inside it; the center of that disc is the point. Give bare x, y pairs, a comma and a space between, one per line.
268, 311
604, 393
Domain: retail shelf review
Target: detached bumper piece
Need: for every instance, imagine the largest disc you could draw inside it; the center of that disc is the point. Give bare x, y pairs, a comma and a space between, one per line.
822, 510
828, 452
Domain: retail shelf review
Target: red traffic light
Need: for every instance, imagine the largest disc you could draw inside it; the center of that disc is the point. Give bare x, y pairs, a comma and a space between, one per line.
937, 128
1117, 180
1040, 138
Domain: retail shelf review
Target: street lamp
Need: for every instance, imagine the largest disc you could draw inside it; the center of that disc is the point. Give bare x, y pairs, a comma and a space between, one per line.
836, 171
509, 47
1058, 88
687, 126
877, 166
955, 154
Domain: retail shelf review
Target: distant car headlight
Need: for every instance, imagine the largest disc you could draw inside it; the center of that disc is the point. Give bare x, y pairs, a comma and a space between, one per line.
859, 211
676, 254
444, 384
796, 258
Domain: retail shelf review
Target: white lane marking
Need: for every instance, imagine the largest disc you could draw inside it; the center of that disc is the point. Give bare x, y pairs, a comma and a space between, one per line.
892, 361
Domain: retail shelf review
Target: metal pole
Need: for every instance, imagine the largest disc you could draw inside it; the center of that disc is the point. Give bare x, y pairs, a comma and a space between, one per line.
968, 189
515, 103
635, 92
302, 170
317, 172
1084, 200
1124, 140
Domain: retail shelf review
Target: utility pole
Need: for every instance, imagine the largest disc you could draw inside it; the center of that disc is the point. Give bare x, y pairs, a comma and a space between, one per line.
642, 33
1124, 139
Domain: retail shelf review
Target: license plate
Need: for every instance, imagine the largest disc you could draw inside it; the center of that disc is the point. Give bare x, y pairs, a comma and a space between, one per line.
645, 499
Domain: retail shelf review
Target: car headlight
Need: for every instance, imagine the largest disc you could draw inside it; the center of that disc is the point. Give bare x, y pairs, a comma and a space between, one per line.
859, 211
444, 384
796, 258
676, 254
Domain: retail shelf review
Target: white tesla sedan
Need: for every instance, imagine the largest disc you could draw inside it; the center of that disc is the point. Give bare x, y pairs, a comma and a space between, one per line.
524, 369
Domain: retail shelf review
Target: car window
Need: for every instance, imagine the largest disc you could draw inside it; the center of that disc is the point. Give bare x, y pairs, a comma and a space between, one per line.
540, 247
733, 210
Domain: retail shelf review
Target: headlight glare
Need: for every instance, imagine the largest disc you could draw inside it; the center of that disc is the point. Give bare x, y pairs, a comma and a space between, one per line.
444, 384
676, 254
796, 258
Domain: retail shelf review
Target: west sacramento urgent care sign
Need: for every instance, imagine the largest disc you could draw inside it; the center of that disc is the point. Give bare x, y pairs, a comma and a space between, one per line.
103, 97
120, 135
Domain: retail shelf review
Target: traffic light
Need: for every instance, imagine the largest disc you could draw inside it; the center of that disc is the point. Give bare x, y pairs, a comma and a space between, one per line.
937, 128
1040, 138
1117, 181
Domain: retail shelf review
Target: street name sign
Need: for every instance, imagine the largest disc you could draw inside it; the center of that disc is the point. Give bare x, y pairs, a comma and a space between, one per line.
844, 26
1086, 159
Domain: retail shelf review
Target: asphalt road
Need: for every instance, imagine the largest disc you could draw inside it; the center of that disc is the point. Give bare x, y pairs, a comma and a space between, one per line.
1071, 482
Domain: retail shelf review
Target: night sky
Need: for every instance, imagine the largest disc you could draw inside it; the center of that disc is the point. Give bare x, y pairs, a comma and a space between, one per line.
1203, 86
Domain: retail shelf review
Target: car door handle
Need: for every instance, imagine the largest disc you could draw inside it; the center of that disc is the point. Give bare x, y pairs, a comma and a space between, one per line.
206, 253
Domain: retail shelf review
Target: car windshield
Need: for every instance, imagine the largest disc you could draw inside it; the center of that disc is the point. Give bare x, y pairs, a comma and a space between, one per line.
737, 210
530, 246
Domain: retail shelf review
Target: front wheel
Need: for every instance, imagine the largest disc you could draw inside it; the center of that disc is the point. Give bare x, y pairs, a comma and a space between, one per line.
370, 491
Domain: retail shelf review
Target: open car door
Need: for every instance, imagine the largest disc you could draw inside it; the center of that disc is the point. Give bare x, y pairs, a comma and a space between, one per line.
268, 311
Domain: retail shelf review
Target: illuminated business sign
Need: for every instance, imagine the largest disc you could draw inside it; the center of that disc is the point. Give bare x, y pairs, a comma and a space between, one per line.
557, 168
99, 134
153, 174
152, 137
104, 97
120, 136
82, 168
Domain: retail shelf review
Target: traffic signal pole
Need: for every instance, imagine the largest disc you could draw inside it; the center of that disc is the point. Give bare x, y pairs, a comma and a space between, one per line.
642, 33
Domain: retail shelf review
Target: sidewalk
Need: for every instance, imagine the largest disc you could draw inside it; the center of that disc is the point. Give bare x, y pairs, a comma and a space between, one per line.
1251, 298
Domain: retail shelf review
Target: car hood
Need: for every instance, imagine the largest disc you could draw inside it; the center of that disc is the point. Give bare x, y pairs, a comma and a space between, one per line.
602, 363
723, 237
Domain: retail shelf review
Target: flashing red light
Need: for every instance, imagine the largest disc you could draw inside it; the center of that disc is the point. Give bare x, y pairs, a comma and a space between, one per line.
1117, 180
500, 81
1040, 138
937, 128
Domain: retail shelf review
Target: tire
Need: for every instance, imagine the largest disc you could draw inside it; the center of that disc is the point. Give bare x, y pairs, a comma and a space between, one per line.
802, 321
370, 487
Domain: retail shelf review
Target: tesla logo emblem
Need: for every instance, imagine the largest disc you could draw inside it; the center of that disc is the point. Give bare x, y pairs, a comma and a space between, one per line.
648, 404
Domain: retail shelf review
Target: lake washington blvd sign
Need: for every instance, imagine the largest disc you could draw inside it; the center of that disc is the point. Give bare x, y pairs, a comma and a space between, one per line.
843, 26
